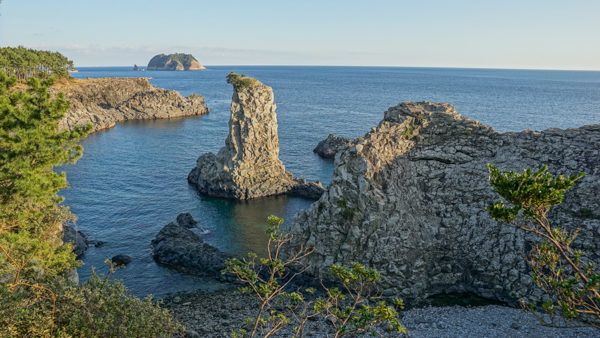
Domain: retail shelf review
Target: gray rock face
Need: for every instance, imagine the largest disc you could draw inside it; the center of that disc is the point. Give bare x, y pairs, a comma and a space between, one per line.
105, 101
409, 199
77, 238
180, 248
330, 146
249, 166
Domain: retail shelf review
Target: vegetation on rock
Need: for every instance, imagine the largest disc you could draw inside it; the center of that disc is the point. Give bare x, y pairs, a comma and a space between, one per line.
568, 275
355, 308
36, 297
242, 81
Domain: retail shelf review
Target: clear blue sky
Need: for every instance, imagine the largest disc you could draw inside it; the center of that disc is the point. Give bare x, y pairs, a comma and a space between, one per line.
555, 34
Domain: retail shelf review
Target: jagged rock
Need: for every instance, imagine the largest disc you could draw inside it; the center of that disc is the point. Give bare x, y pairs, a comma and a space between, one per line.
186, 220
330, 146
180, 248
77, 238
121, 260
177, 61
103, 102
409, 199
249, 166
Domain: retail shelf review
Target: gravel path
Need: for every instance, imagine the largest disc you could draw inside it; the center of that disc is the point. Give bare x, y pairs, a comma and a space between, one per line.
218, 314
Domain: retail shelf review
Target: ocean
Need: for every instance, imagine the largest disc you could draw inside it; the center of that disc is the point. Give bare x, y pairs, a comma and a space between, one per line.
131, 180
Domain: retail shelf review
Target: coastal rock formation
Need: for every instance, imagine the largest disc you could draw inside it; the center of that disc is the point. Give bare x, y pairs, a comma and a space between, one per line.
409, 199
330, 146
180, 248
77, 238
177, 61
249, 166
103, 102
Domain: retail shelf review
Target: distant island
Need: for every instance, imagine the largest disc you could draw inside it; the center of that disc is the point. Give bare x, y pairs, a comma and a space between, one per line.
177, 61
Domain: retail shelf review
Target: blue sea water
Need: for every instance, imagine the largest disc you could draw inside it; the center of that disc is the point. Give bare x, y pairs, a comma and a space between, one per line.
132, 179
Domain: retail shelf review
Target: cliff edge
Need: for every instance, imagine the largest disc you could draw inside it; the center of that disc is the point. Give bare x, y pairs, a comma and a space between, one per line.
409, 199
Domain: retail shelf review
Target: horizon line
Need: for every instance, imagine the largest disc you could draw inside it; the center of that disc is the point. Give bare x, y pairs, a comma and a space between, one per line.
362, 66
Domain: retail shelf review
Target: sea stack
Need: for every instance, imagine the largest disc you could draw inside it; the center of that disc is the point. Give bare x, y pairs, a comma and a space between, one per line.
248, 166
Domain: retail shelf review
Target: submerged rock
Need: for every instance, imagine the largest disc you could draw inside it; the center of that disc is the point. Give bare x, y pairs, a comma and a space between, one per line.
121, 260
409, 199
330, 146
180, 248
103, 102
249, 166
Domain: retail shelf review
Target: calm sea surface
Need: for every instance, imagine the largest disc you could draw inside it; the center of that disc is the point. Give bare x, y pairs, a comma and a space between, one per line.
132, 179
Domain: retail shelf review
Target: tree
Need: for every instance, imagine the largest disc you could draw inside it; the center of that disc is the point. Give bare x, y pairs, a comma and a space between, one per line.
36, 297
569, 275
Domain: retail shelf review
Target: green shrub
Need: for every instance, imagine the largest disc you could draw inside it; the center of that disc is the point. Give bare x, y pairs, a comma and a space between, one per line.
568, 275
242, 81
354, 309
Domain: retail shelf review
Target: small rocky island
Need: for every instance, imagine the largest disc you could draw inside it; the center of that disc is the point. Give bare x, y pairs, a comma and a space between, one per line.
177, 61
248, 166
103, 102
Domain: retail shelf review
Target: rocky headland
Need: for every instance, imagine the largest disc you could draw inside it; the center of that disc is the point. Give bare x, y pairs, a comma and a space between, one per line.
409, 199
102, 102
248, 166
177, 61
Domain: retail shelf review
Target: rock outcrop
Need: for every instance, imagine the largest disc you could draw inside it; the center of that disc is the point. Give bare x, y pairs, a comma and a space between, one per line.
77, 238
249, 166
103, 102
177, 61
330, 146
180, 248
409, 199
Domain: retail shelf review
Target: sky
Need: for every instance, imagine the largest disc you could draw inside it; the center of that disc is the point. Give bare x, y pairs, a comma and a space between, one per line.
532, 34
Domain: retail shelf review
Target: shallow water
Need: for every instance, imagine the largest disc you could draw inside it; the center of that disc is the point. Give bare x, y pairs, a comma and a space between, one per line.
132, 179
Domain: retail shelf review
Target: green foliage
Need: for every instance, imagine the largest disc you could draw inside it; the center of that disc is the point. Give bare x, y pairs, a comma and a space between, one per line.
24, 63
242, 81
36, 298
103, 308
568, 275
352, 310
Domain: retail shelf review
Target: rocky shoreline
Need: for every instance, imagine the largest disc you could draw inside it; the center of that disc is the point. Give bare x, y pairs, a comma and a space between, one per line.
217, 314
103, 102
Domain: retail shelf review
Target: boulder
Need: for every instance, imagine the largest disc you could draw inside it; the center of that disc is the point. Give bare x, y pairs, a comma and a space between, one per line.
121, 260
330, 146
409, 199
178, 247
77, 238
177, 61
248, 166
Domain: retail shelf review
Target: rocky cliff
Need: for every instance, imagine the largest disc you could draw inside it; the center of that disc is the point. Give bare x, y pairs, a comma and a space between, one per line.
177, 61
103, 102
409, 199
249, 166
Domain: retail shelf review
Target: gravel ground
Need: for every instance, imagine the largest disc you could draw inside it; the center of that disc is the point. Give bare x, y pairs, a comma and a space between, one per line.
217, 314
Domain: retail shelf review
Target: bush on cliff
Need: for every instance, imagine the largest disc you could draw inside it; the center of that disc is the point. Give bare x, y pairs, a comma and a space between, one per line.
355, 309
568, 275
36, 297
